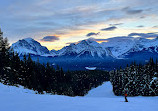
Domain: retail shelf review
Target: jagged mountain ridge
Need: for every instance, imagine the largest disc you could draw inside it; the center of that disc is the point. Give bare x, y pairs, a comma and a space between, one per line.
117, 47
84, 48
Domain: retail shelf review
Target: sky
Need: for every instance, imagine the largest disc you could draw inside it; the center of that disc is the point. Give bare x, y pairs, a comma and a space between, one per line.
57, 23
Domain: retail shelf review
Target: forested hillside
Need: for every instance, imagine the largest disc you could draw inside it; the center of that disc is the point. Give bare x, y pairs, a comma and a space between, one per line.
137, 80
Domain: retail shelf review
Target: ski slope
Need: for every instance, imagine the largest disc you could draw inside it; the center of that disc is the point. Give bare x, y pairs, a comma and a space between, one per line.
98, 99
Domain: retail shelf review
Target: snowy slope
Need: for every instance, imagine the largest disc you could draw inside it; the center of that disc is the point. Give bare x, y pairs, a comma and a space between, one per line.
98, 99
105, 90
53, 52
119, 45
14, 90
143, 43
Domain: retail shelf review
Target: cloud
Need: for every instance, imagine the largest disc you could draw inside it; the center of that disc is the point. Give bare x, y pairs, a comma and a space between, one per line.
143, 35
134, 11
116, 24
142, 17
109, 28
156, 26
140, 26
130, 36
50, 38
130, 11
92, 33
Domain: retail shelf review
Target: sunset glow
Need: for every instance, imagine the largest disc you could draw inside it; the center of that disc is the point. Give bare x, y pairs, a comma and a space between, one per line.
55, 23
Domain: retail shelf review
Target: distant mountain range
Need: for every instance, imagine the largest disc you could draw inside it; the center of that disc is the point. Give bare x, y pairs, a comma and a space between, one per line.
109, 55
118, 48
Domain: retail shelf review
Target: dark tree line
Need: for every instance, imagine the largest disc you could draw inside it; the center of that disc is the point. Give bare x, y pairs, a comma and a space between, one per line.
44, 78
137, 80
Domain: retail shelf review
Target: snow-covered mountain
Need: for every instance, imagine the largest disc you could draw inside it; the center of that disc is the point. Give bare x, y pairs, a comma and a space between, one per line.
118, 47
84, 48
29, 45
121, 46
142, 45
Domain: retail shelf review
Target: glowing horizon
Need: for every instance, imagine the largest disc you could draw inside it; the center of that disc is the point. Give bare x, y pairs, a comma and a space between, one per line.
55, 23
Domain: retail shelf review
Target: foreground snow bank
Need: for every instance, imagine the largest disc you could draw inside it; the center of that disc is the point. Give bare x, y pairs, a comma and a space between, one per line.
14, 89
98, 99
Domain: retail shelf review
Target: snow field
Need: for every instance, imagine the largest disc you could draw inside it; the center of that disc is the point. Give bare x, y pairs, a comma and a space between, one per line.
98, 99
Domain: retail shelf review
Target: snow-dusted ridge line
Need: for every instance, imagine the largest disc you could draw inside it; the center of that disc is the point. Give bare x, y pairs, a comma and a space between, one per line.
114, 47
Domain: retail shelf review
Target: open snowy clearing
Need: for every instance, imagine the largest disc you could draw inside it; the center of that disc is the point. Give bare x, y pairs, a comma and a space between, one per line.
98, 99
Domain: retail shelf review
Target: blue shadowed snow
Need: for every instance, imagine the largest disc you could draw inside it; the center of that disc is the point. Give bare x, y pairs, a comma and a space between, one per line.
98, 99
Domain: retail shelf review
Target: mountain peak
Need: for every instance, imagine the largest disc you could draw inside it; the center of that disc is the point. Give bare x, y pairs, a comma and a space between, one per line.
29, 39
87, 41
29, 46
